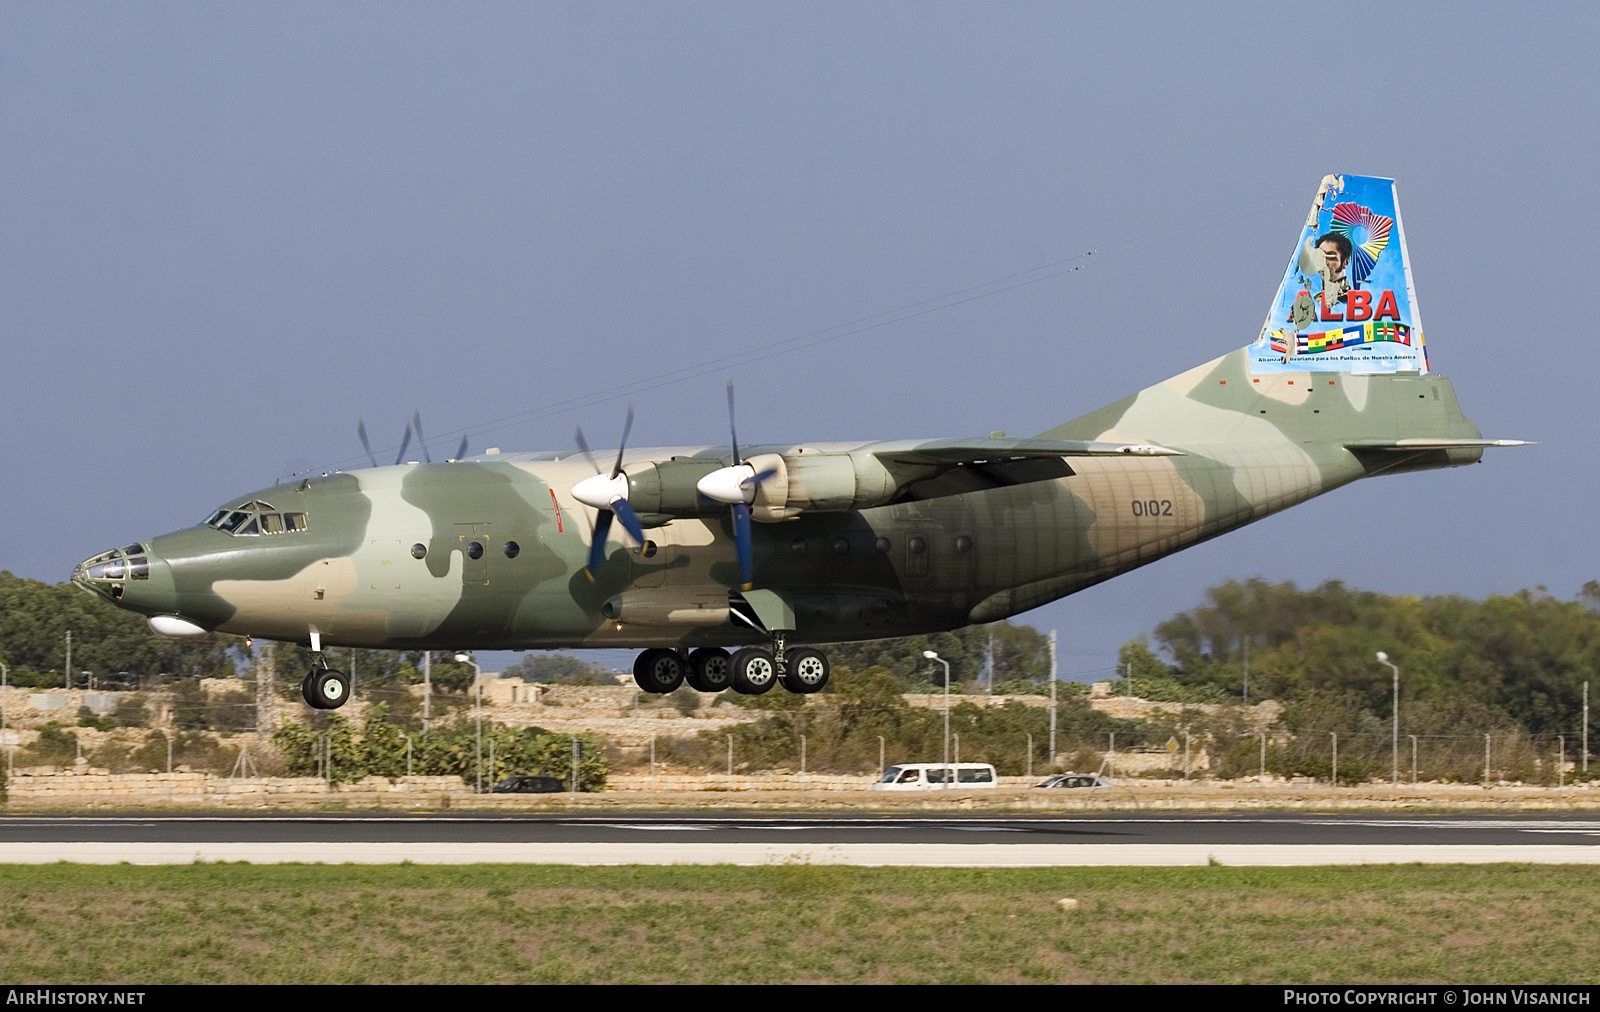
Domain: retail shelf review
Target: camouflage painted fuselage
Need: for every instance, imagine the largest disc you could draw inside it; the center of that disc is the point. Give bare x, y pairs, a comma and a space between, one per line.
936, 554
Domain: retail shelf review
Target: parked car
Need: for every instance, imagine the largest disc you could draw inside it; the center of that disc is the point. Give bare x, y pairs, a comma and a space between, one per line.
528, 785
935, 776
1073, 780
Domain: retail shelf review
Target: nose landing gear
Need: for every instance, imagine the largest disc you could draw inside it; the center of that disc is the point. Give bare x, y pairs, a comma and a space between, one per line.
325, 688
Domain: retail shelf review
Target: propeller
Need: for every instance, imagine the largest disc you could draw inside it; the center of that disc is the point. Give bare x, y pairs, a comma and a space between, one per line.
416, 426
608, 494
366, 444
413, 428
737, 485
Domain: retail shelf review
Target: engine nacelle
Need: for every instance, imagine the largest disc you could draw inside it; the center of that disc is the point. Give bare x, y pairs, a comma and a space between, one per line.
782, 486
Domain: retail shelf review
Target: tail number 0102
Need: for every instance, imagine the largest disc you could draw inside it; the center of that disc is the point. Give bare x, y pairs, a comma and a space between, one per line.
1152, 507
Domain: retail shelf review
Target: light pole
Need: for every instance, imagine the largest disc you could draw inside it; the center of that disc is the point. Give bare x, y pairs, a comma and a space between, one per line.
1052, 699
933, 656
1383, 659
5, 676
477, 683
427, 688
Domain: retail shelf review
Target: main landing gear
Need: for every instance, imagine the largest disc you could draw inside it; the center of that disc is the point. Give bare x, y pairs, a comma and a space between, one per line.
750, 671
324, 688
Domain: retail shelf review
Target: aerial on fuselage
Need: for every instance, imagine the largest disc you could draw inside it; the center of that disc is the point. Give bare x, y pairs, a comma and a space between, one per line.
730, 564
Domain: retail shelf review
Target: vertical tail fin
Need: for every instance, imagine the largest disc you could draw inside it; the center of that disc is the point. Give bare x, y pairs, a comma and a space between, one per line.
1346, 302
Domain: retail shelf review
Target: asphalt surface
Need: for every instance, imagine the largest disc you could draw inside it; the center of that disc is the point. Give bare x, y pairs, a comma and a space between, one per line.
1258, 829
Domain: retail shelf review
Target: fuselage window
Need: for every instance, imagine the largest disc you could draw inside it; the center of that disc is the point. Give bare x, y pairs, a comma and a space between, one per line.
271, 523
798, 546
512, 549
882, 545
841, 546
918, 544
474, 549
419, 550
294, 521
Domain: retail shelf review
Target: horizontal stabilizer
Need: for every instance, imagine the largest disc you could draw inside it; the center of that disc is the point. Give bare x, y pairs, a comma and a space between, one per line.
1432, 444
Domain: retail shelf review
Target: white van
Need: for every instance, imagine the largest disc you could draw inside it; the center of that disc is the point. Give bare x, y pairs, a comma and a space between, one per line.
937, 776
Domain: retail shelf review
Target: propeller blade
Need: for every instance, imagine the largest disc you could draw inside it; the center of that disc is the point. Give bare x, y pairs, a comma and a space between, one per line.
400, 458
756, 479
630, 519
741, 538
732, 434
366, 444
416, 424
583, 444
597, 545
461, 451
627, 427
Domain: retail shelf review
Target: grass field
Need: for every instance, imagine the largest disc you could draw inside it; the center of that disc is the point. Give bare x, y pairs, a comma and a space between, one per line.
801, 923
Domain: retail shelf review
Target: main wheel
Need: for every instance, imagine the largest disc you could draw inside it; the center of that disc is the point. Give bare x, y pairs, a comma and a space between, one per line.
326, 689
708, 669
806, 670
658, 670
752, 671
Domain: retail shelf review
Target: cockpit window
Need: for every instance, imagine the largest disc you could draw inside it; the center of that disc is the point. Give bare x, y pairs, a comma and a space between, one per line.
252, 518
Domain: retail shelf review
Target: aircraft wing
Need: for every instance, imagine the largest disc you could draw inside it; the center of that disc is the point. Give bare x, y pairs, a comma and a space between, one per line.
937, 468
989, 451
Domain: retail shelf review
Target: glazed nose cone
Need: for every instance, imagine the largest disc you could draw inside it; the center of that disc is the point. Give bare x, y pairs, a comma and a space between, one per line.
109, 574
131, 577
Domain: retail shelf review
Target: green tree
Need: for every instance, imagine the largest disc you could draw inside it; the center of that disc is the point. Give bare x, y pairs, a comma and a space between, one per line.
558, 669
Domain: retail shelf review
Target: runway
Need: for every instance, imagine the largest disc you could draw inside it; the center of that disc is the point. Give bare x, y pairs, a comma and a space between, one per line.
747, 839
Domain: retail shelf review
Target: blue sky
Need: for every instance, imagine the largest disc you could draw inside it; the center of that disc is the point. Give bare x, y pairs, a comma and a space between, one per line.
234, 230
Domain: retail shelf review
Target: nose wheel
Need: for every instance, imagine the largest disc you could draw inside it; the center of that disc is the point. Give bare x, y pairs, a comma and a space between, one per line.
325, 688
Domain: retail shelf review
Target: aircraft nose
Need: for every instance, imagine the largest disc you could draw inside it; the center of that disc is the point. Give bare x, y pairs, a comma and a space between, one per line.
109, 574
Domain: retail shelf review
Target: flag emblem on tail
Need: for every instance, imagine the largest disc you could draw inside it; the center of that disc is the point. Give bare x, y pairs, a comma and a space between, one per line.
1346, 302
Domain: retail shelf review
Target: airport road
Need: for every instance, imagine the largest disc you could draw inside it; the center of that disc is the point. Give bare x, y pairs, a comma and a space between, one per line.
742, 838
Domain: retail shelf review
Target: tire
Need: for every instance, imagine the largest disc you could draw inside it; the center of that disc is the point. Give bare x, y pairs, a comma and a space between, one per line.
806, 671
752, 671
708, 669
326, 689
659, 671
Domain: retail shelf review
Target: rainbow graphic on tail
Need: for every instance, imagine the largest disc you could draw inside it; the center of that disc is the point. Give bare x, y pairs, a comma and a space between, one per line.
1346, 302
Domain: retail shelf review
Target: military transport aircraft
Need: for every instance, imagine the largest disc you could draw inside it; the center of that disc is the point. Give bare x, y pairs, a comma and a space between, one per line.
765, 550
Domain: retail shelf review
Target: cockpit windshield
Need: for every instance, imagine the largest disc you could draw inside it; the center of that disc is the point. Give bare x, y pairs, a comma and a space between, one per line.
255, 518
